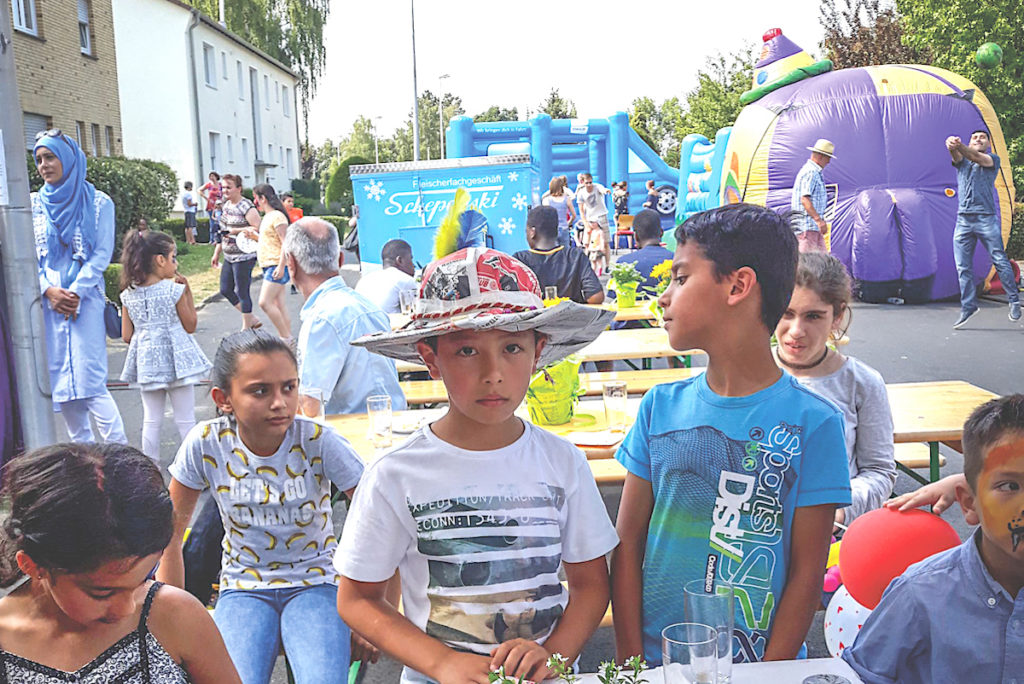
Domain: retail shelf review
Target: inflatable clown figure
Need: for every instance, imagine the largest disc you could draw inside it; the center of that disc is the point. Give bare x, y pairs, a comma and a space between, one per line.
891, 189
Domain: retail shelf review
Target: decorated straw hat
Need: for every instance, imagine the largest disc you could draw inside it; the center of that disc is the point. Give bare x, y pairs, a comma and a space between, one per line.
482, 289
824, 147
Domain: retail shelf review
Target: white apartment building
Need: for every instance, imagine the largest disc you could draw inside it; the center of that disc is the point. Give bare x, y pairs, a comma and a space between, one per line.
199, 98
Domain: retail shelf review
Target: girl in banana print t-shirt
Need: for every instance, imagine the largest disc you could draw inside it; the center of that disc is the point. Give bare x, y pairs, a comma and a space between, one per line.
270, 474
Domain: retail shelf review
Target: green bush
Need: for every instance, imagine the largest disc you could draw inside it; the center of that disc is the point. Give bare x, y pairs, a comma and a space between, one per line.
176, 227
112, 282
1015, 245
305, 187
339, 222
139, 188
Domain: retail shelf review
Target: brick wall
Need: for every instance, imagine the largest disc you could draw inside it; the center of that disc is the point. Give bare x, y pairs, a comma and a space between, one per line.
57, 81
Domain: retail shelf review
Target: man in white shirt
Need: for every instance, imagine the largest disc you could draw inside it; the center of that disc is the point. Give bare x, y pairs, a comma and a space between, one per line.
590, 198
384, 287
189, 204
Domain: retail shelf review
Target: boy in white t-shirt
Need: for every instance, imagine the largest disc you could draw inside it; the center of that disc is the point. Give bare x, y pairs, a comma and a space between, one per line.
479, 510
189, 205
384, 287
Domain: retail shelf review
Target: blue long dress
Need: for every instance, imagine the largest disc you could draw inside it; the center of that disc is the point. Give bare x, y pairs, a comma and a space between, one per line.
76, 348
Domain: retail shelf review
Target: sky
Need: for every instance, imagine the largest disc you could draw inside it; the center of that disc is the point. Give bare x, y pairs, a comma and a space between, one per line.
600, 54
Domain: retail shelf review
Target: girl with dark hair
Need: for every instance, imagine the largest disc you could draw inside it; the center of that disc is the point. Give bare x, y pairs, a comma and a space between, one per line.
238, 216
814, 317
270, 473
87, 525
275, 274
158, 319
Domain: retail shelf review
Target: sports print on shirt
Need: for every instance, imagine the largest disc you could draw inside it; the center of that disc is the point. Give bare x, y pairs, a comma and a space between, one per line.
723, 497
492, 556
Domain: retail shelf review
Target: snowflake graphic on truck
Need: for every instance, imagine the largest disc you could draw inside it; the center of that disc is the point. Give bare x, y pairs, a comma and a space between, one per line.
374, 190
506, 225
519, 201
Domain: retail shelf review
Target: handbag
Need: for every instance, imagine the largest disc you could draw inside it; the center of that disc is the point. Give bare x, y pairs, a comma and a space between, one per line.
112, 319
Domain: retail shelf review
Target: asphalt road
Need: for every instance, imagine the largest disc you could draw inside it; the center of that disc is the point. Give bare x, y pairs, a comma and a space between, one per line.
904, 343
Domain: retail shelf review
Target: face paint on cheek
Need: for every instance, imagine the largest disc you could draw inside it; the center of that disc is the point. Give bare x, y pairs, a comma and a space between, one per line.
999, 457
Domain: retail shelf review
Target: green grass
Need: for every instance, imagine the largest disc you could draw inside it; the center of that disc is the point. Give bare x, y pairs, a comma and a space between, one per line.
195, 266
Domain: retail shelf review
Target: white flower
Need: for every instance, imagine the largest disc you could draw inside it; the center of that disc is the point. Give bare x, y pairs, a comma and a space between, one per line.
375, 190
506, 225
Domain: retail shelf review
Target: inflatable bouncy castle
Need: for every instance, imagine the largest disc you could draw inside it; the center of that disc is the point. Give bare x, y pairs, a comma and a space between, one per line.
892, 190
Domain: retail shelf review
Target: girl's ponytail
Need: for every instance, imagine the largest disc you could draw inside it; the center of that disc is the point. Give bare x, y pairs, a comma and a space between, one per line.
138, 252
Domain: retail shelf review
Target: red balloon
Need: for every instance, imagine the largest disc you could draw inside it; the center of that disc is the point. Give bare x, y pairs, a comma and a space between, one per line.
881, 544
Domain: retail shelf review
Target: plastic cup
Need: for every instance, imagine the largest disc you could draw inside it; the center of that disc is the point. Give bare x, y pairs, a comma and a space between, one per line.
319, 413
407, 301
689, 653
614, 393
551, 292
717, 609
378, 410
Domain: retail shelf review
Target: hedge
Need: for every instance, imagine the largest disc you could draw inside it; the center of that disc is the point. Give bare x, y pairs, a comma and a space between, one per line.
1015, 244
176, 227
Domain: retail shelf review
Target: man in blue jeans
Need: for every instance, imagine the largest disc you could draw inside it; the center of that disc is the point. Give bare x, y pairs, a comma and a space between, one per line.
976, 171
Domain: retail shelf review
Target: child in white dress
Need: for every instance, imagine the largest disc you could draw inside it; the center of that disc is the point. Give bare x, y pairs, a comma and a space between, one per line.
158, 317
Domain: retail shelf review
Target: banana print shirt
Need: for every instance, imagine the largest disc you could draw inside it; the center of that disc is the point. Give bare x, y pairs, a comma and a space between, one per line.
276, 509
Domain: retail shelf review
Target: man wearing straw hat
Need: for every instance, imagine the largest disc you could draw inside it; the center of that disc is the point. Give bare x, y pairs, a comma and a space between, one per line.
809, 199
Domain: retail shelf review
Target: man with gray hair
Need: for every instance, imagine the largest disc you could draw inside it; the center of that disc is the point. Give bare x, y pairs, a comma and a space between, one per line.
334, 314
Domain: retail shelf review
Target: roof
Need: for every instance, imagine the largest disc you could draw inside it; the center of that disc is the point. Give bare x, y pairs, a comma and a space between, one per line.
234, 37
451, 163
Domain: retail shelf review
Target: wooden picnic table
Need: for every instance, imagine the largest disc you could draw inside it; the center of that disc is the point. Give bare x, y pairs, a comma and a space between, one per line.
637, 382
612, 345
933, 412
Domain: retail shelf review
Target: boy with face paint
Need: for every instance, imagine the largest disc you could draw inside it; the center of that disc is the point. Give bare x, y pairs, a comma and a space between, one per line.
912, 637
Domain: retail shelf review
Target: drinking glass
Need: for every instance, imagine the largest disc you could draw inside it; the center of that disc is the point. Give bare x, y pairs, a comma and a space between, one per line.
710, 602
378, 410
689, 653
551, 292
320, 412
407, 301
614, 393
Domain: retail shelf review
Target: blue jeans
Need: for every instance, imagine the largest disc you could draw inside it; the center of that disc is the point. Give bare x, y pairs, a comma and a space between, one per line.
255, 623
970, 228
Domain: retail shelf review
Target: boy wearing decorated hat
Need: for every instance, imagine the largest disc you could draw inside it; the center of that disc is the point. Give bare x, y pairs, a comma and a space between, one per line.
479, 509
810, 199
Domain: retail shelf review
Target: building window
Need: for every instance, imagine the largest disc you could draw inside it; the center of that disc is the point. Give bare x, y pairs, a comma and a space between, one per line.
290, 161
24, 14
33, 124
110, 141
245, 157
84, 39
277, 91
80, 134
224, 65
95, 140
231, 151
270, 153
285, 102
266, 90
241, 86
210, 65
214, 150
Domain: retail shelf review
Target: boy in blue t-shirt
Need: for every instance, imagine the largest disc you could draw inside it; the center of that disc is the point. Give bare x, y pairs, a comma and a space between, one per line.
737, 471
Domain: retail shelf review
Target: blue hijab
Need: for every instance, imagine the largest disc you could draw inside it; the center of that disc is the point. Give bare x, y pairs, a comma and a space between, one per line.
68, 205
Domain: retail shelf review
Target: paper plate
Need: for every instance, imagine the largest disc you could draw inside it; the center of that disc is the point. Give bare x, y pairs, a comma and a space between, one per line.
245, 243
597, 438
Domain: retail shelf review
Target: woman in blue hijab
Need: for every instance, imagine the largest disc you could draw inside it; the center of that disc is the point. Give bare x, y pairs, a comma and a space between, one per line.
74, 230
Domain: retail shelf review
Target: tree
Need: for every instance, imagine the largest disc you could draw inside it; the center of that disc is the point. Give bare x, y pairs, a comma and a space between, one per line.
339, 187
399, 146
497, 113
715, 102
858, 33
954, 29
558, 107
290, 31
360, 141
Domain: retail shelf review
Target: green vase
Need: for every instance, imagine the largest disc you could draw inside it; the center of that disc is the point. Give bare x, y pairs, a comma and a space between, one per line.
626, 295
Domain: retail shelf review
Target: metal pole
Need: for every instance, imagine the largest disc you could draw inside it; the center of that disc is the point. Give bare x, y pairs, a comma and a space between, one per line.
415, 91
440, 113
18, 254
376, 150
223, 21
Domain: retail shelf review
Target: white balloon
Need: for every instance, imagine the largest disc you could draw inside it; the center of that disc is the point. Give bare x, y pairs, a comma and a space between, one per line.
843, 619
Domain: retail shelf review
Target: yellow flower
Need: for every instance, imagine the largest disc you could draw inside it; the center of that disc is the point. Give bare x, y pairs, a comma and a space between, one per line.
663, 271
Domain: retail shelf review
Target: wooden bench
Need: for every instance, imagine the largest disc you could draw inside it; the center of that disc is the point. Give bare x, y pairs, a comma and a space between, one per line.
910, 455
637, 382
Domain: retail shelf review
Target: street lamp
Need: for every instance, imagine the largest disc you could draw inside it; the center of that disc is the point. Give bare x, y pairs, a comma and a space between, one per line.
376, 150
440, 112
415, 91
